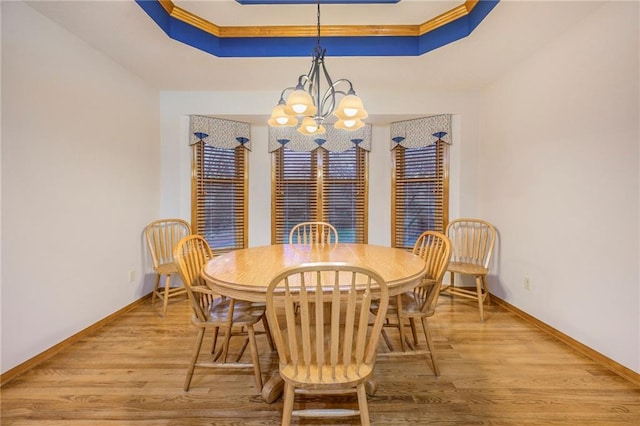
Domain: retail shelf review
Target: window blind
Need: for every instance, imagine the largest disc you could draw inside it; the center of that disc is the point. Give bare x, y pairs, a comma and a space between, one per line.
419, 192
219, 201
345, 193
320, 186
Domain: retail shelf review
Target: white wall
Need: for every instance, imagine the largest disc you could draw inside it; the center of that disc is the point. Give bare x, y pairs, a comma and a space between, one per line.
175, 108
559, 177
80, 179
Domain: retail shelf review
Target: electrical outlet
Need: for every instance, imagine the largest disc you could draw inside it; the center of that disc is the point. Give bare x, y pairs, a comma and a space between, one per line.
132, 276
527, 283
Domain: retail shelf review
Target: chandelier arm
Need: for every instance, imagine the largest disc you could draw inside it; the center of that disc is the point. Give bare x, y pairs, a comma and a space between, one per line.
344, 80
302, 80
331, 93
328, 103
282, 99
328, 100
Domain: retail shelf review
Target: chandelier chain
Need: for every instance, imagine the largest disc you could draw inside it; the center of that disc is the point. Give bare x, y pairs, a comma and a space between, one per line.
318, 14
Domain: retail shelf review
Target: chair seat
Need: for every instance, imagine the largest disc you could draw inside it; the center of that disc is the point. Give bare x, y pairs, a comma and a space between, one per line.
244, 313
328, 377
411, 306
167, 269
466, 268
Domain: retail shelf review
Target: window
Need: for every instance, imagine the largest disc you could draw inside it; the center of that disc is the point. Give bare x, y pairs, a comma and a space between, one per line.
219, 202
420, 187
320, 185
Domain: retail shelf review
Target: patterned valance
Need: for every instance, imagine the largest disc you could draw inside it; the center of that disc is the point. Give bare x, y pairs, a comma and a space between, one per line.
332, 140
421, 131
218, 132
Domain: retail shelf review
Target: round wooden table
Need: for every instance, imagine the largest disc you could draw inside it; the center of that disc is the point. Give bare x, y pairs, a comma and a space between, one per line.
245, 275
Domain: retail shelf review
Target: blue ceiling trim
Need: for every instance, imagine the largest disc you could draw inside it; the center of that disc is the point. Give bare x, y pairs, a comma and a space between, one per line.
264, 2
455, 30
249, 47
157, 13
303, 46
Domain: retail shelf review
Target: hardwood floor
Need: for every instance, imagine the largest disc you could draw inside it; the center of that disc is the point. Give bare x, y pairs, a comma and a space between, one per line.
501, 372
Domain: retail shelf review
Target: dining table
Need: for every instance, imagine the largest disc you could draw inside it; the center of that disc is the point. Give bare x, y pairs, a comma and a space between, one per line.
245, 274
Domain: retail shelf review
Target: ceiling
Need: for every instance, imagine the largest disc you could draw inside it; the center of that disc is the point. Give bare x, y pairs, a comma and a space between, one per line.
124, 32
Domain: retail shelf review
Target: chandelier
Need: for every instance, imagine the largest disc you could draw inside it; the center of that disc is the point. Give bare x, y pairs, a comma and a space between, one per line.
308, 101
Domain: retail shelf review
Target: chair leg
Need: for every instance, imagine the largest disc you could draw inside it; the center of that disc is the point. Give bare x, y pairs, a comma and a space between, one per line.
242, 349
255, 358
194, 358
400, 322
228, 330
267, 331
167, 283
215, 339
155, 289
287, 405
386, 339
363, 405
414, 332
486, 290
480, 296
427, 336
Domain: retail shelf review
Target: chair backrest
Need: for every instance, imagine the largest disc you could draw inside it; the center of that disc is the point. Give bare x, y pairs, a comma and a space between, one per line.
162, 235
313, 233
190, 255
435, 249
319, 318
472, 241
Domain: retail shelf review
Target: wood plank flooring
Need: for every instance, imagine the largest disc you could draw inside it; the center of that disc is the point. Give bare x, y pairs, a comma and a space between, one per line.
503, 371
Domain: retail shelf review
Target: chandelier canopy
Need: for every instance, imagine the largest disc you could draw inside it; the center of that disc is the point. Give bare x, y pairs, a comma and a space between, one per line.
308, 101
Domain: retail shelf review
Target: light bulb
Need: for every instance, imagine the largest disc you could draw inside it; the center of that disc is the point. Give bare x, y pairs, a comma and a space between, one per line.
282, 120
349, 123
311, 129
299, 108
350, 112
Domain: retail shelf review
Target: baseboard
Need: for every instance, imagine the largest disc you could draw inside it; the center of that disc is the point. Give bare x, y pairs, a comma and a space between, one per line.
602, 360
32, 362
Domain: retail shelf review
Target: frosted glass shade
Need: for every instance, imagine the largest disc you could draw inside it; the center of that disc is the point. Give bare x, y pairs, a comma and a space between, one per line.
300, 102
349, 124
280, 118
350, 107
310, 127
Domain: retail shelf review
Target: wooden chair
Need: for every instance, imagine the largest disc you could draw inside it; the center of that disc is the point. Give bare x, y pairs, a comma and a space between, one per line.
211, 311
472, 242
162, 235
319, 317
420, 303
313, 233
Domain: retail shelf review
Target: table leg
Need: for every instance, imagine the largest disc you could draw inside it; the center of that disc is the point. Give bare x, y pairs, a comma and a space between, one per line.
371, 386
272, 390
